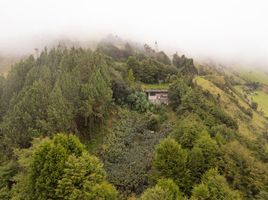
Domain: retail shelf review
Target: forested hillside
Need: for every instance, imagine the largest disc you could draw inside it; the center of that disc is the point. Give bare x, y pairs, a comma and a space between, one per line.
75, 124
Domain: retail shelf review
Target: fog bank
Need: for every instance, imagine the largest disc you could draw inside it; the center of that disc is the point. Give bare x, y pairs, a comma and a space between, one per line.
230, 31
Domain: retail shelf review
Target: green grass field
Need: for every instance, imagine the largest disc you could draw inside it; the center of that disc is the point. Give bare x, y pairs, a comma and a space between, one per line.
162, 86
256, 75
261, 98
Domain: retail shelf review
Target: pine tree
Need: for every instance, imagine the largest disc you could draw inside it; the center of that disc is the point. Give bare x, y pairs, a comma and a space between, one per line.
130, 78
60, 112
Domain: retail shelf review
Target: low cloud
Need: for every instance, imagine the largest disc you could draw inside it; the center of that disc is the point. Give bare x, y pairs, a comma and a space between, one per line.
227, 31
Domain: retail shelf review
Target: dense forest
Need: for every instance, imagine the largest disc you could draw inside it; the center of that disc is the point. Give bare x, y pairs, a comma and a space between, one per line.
75, 124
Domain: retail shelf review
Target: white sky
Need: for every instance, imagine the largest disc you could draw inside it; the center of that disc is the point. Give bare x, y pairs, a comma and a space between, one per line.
228, 30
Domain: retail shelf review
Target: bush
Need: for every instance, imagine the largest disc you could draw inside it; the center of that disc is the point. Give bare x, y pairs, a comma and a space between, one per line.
153, 122
170, 162
165, 189
138, 101
120, 91
254, 105
177, 89
187, 130
214, 187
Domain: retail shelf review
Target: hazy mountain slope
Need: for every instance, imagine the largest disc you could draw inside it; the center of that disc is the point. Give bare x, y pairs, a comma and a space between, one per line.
253, 75
254, 86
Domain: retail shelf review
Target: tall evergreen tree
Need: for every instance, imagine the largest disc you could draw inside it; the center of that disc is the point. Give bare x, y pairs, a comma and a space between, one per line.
60, 112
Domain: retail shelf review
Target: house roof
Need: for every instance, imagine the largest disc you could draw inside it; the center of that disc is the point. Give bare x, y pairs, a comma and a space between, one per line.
160, 91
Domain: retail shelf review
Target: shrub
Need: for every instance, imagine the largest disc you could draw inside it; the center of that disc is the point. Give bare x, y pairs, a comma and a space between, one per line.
153, 122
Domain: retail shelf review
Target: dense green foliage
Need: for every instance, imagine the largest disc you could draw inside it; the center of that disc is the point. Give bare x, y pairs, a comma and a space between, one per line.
149, 70
128, 153
243, 171
61, 168
184, 64
62, 90
138, 101
171, 161
214, 187
193, 148
165, 189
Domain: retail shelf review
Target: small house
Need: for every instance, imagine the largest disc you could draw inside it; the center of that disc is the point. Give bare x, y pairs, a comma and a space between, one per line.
157, 96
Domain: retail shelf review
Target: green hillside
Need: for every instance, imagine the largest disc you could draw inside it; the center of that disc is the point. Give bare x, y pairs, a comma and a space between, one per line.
244, 79
76, 124
261, 98
254, 75
235, 106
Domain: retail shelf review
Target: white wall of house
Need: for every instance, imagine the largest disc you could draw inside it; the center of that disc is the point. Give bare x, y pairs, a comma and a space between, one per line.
158, 97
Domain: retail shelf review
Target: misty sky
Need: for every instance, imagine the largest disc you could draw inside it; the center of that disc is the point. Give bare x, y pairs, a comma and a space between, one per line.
226, 30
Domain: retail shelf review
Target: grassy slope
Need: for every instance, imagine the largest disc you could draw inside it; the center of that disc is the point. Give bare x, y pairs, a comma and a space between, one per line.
162, 86
246, 125
236, 76
261, 98
243, 75
256, 75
